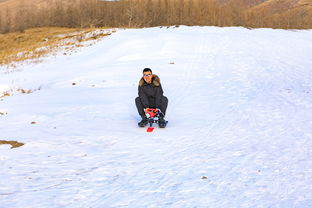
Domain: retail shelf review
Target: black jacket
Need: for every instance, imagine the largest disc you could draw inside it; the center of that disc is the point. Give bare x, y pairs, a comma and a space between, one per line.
151, 94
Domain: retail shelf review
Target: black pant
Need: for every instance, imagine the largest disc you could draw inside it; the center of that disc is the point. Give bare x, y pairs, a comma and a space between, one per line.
163, 105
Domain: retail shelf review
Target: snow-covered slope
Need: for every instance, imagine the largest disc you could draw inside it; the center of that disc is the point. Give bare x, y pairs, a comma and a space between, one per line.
239, 132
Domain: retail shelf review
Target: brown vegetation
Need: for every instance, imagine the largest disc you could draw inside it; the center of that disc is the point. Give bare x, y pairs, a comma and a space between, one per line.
14, 144
17, 91
4, 94
145, 13
36, 43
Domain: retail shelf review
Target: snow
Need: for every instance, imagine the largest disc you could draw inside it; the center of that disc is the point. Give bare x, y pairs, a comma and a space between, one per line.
4, 88
239, 131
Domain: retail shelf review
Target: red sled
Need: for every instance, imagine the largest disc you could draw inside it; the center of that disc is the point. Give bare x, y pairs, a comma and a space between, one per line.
150, 129
153, 117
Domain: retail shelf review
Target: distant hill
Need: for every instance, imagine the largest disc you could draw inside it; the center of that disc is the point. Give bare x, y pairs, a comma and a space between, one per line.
14, 5
269, 6
16, 15
245, 4
272, 6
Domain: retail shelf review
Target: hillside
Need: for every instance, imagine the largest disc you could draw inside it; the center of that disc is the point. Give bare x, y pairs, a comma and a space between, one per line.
269, 6
239, 131
244, 4
274, 6
14, 4
18, 15
281, 6
18, 6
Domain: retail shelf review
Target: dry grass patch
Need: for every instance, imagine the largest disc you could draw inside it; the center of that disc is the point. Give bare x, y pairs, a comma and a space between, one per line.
5, 94
3, 113
18, 91
38, 42
14, 144
27, 91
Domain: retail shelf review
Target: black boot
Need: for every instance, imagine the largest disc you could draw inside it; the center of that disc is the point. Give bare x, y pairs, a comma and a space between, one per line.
144, 122
162, 122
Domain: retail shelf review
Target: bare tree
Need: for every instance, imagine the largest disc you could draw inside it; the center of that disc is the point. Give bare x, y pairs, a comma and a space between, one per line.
146, 13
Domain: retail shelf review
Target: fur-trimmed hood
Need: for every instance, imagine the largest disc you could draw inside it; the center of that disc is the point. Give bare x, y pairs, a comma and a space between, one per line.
155, 81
